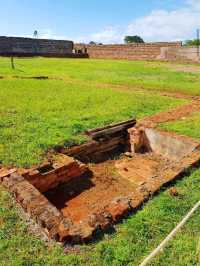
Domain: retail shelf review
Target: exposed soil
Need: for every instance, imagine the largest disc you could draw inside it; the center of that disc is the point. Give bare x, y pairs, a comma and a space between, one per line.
142, 167
185, 68
92, 194
99, 197
114, 187
179, 113
111, 180
179, 95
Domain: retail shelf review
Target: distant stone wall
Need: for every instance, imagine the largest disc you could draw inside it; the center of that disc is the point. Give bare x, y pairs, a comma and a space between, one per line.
34, 47
146, 51
181, 54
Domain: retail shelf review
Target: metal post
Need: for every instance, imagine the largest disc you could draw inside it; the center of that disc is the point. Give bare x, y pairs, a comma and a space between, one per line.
198, 43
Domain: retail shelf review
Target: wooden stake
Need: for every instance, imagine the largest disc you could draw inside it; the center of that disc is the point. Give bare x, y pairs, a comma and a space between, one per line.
12, 62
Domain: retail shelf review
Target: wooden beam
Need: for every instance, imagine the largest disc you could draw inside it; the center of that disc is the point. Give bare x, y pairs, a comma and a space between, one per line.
111, 129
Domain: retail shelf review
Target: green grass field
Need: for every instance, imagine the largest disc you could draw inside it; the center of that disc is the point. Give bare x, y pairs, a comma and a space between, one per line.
147, 75
36, 115
190, 126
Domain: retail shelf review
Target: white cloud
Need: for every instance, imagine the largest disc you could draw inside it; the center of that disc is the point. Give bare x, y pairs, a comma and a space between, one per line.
194, 4
44, 34
109, 35
159, 25
162, 25
49, 34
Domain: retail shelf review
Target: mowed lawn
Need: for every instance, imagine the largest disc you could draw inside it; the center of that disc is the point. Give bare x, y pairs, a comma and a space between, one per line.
36, 115
189, 126
159, 76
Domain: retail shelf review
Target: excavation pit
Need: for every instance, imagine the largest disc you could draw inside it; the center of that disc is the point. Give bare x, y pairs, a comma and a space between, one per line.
74, 200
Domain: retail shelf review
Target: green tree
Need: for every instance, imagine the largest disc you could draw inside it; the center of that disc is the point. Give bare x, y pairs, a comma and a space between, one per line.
133, 39
92, 43
35, 34
193, 42
95, 43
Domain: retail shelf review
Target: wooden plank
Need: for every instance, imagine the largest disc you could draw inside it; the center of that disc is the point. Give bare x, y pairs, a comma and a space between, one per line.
111, 129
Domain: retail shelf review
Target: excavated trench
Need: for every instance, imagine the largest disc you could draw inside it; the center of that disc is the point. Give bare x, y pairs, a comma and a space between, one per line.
86, 189
111, 183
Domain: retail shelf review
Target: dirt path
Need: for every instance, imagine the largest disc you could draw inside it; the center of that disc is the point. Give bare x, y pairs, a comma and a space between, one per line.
128, 88
172, 115
178, 113
185, 68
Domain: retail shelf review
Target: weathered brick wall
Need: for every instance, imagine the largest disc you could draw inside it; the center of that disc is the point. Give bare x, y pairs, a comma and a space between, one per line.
181, 53
28, 46
147, 51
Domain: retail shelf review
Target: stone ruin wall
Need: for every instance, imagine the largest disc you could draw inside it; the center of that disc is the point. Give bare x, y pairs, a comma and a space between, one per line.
34, 47
146, 51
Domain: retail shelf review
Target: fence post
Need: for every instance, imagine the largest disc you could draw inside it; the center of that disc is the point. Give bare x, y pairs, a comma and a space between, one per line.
198, 43
12, 62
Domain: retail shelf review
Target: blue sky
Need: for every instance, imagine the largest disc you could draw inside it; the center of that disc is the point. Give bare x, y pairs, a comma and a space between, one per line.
107, 21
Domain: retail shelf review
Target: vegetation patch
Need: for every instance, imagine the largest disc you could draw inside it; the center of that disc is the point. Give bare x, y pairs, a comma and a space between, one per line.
189, 126
134, 239
159, 76
36, 115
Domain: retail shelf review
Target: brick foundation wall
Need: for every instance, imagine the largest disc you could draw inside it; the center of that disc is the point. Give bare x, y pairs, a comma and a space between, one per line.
30, 47
181, 54
147, 51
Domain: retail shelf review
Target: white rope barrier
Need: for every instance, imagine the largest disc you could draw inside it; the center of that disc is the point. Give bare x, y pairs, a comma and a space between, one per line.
170, 236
